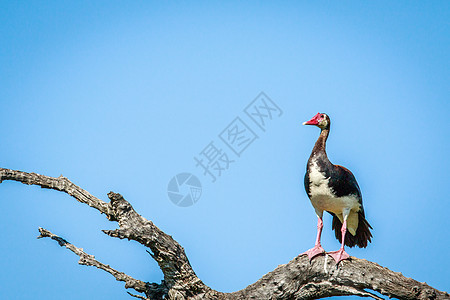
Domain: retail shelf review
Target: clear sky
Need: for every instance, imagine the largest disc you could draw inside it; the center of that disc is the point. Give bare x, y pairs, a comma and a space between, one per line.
123, 96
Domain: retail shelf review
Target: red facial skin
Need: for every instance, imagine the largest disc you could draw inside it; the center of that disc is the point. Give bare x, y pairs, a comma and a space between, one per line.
315, 120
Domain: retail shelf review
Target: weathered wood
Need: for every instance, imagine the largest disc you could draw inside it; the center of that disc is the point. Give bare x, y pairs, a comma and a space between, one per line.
298, 279
89, 260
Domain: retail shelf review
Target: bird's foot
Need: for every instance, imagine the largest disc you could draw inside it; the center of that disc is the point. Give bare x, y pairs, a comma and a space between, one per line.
339, 255
313, 252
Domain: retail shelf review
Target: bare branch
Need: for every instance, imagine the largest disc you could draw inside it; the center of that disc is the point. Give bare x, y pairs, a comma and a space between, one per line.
298, 279
60, 184
137, 296
301, 279
166, 251
89, 260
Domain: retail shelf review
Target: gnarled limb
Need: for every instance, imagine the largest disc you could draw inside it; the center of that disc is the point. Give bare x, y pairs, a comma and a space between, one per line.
89, 260
298, 279
60, 183
170, 256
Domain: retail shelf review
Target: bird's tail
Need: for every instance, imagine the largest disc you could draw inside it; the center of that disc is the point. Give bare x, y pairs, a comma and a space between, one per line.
362, 236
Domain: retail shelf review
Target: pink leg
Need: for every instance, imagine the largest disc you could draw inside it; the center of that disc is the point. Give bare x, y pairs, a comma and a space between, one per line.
317, 248
341, 254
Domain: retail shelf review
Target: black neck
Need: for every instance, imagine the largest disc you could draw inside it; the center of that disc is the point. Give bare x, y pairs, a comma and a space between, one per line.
319, 147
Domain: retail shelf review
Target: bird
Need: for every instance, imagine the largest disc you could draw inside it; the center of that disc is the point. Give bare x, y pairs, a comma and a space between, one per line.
334, 189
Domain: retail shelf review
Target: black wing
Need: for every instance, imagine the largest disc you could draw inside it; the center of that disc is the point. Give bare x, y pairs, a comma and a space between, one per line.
343, 182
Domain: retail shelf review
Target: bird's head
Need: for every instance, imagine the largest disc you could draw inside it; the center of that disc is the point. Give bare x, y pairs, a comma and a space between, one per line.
320, 120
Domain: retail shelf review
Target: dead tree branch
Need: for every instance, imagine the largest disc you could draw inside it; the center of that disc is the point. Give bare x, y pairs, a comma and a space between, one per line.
89, 260
298, 279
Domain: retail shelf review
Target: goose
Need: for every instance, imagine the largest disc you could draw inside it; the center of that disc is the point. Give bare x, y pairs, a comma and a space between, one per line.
334, 189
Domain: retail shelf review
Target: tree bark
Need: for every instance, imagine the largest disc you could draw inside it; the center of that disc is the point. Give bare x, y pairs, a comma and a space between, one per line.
298, 279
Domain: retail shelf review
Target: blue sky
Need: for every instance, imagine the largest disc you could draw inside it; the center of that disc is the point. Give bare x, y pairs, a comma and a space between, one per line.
122, 96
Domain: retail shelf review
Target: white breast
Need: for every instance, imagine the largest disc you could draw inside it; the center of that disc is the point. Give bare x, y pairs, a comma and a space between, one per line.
318, 183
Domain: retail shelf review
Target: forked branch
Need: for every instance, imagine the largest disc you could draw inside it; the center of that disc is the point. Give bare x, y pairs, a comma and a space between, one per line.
298, 279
